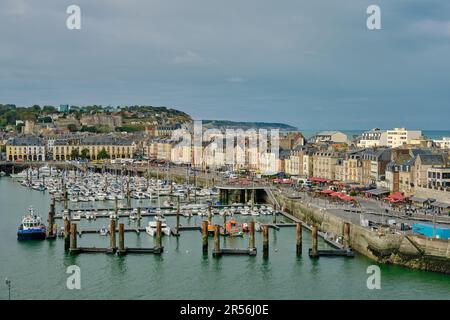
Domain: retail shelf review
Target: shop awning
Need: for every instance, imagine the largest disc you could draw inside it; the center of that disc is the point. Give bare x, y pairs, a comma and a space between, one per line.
417, 199
442, 205
348, 198
378, 192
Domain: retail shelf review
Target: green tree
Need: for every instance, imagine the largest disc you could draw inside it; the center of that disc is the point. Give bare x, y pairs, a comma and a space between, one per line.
48, 109
72, 127
103, 154
84, 153
75, 153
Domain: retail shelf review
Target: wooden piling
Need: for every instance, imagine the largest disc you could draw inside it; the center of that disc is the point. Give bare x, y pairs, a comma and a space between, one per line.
112, 232
139, 213
209, 214
265, 241
253, 197
73, 236
251, 235
314, 240
128, 194
178, 216
121, 239
216, 252
51, 219
346, 235
205, 224
66, 233
66, 204
158, 243
299, 238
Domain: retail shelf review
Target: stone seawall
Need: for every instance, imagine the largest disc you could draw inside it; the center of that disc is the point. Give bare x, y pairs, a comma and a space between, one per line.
412, 251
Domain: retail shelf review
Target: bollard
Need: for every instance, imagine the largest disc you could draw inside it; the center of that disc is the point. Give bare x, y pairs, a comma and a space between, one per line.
73, 235
66, 233
265, 241
112, 231
314, 241
158, 234
299, 238
346, 234
252, 235
121, 238
205, 224
216, 252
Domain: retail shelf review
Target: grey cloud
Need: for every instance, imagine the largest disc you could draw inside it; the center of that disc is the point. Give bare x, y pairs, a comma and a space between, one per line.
301, 62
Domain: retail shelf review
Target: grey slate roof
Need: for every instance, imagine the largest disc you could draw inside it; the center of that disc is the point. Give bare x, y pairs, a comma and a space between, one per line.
431, 159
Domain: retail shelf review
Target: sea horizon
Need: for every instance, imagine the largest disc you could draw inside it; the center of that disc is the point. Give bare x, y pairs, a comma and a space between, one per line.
431, 134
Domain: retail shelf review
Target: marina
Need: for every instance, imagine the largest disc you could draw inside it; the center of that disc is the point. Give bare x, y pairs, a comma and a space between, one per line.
275, 253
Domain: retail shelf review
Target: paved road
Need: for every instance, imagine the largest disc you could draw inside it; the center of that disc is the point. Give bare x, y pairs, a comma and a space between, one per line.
369, 208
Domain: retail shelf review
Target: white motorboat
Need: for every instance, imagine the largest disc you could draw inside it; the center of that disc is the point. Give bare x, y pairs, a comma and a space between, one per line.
104, 231
133, 214
76, 216
151, 228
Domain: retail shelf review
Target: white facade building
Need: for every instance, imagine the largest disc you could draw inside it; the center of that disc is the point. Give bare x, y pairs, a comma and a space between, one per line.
373, 138
400, 136
444, 143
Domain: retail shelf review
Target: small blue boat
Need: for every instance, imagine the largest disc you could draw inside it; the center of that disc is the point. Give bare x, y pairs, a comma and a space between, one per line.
31, 228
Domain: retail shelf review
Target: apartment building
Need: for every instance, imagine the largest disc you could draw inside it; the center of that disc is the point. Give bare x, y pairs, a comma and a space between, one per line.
330, 136
373, 138
398, 137
27, 148
324, 164
422, 164
439, 177
92, 146
444, 143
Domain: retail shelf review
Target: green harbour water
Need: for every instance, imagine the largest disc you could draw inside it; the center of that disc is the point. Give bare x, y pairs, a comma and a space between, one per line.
37, 270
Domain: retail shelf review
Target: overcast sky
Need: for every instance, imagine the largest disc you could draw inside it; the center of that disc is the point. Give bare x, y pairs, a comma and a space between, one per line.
312, 64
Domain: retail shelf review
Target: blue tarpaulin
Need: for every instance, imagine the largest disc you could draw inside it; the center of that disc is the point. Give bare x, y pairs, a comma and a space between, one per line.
428, 230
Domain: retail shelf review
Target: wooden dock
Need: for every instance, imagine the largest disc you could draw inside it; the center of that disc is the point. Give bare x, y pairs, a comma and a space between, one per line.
81, 231
91, 250
235, 251
332, 253
155, 250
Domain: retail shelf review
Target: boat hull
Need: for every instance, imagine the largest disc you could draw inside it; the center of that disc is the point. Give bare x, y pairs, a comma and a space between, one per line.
34, 235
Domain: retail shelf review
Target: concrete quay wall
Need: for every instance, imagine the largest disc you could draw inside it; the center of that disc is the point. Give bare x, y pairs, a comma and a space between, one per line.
414, 251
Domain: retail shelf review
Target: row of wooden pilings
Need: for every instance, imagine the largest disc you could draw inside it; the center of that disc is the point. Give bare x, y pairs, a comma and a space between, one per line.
265, 233
70, 239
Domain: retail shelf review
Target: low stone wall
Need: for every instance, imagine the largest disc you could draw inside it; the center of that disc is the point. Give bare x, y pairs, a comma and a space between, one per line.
439, 195
412, 251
